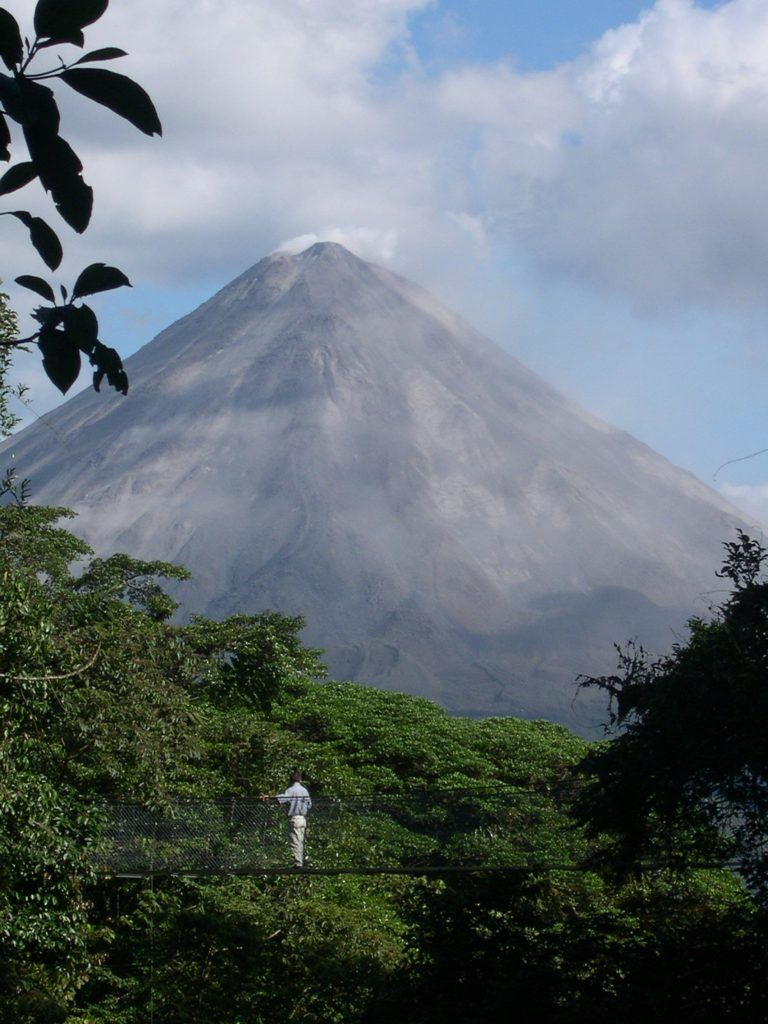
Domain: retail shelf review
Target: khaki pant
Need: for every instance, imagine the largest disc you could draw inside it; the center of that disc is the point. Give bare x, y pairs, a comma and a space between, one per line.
297, 827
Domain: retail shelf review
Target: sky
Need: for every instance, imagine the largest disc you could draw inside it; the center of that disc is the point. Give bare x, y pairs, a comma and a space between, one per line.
583, 180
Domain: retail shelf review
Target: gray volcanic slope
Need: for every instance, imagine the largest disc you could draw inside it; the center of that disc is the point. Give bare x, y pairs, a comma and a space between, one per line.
324, 438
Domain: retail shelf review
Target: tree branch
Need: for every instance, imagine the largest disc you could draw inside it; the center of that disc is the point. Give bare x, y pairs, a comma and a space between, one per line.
46, 679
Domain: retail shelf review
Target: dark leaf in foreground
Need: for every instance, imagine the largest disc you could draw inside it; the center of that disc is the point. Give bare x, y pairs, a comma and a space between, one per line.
76, 38
105, 53
98, 277
46, 241
37, 284
43, 237
117, 92
62, 20
108, 363
52, 315
10, 97
37, 106
17, 177
5, 140
58, 168
61, 359
82, 327
11, 48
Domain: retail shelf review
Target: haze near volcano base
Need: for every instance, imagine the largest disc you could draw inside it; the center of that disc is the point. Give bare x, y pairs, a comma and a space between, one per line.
322, 437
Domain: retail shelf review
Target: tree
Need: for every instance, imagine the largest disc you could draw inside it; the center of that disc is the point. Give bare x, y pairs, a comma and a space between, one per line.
249, 659
8, 419
101, 698
92, 705
8, 335
68, 329
688, 774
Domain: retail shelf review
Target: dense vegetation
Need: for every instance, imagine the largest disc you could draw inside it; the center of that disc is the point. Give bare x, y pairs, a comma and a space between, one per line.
693, 750
102, 698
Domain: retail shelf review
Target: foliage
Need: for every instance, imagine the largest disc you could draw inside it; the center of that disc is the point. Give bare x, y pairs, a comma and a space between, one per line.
103, 697
90, 706
357, 741
252, 658
99, 699
67, 330
243, 949
571, 948
8, 334
8, 419
691, 764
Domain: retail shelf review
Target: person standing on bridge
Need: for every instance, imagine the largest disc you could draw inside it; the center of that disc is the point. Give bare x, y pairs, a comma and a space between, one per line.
297, 802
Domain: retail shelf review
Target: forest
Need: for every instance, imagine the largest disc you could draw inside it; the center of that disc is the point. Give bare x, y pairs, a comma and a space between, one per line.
635, 866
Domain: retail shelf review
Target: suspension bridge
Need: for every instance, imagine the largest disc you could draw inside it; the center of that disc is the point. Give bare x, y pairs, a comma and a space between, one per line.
431, 831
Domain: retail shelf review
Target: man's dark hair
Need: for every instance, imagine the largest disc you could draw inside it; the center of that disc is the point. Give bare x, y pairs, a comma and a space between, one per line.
295, 776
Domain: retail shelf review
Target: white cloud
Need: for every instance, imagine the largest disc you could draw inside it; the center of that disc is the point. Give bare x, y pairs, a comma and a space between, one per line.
637, 169
369, 243
273, 126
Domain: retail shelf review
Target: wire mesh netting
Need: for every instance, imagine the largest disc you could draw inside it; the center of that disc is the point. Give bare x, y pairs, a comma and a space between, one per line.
422, 829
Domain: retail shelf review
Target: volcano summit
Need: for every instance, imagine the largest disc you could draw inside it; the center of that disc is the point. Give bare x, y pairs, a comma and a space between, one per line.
324, 438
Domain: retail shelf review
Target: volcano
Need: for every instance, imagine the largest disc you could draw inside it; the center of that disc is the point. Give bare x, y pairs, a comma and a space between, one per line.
322, 437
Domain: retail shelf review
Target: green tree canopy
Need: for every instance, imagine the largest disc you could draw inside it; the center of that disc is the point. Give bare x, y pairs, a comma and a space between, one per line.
104, 698
688, 773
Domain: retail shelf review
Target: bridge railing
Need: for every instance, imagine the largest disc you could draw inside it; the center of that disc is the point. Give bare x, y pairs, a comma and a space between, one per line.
424, 829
